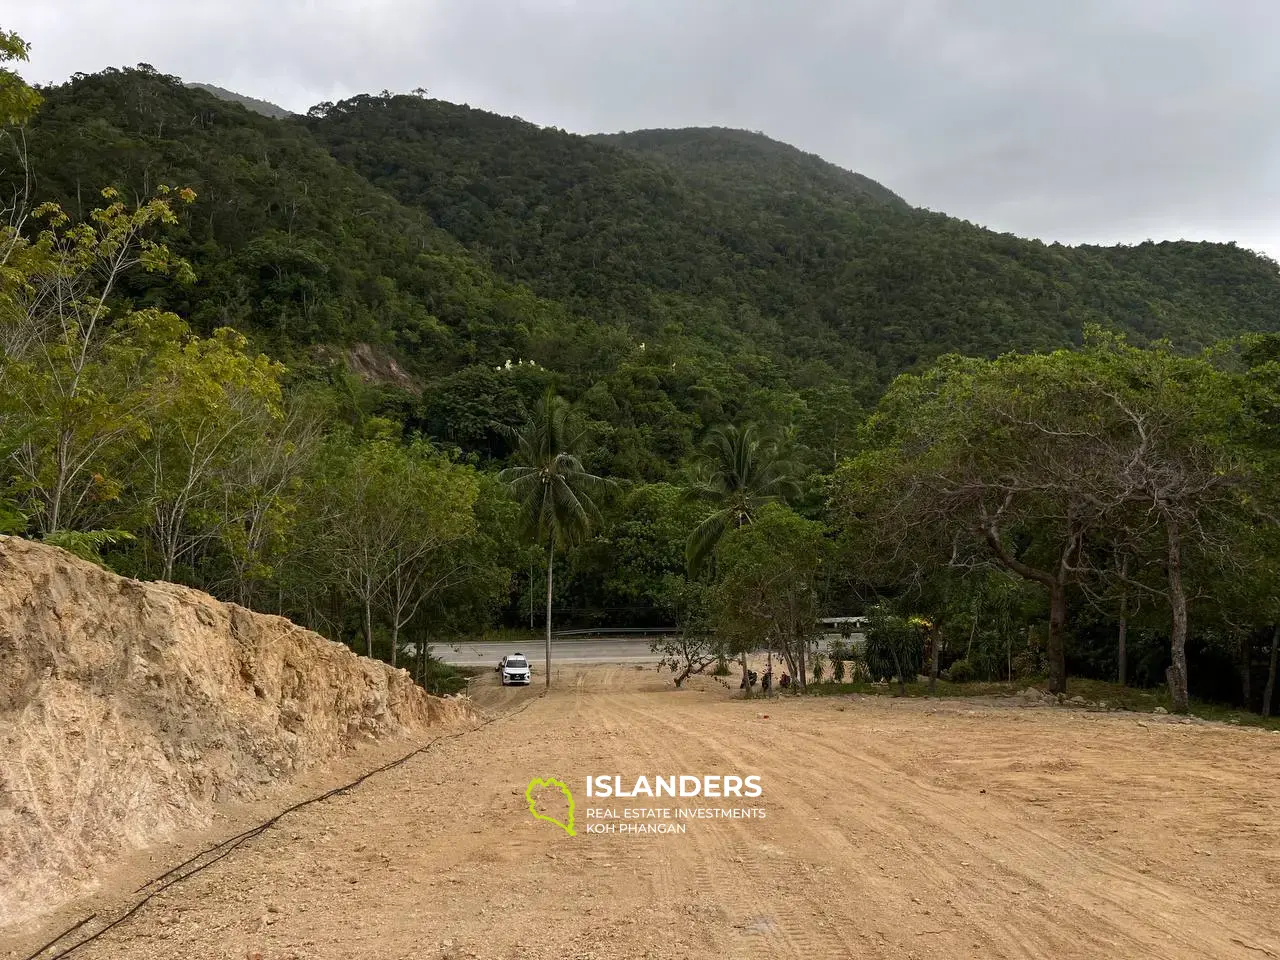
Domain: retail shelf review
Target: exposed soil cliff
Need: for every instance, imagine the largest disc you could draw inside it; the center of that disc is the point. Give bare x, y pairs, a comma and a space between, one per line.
129, 709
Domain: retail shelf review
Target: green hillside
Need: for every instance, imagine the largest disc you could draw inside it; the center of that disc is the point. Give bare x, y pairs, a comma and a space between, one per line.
667, 280
731, 233
739, 165
264, 107
286, 243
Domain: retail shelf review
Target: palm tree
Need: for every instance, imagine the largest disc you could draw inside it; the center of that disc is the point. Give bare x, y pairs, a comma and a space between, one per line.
550, 484
740, 472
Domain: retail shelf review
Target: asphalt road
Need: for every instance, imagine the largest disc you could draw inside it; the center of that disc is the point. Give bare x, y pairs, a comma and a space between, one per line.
595, 650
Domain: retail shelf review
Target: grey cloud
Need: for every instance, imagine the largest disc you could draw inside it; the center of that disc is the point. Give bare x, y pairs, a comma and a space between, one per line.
1095, 120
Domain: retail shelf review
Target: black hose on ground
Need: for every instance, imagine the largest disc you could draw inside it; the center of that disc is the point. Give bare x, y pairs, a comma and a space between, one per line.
174, 875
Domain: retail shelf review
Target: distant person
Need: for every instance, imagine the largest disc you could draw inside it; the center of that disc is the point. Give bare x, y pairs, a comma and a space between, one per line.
786, 681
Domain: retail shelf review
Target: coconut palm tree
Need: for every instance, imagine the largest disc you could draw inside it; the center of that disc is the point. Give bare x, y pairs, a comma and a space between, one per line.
551, 485
740, 471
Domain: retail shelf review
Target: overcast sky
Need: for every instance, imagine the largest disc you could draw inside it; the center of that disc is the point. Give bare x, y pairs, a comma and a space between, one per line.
1080, 121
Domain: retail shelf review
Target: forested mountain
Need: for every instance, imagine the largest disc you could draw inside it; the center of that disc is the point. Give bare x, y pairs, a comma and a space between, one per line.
264, 107
727, 232
671, 280
740, 165
286, 243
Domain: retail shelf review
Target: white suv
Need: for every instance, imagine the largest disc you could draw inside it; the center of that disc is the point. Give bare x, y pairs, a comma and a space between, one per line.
514, 668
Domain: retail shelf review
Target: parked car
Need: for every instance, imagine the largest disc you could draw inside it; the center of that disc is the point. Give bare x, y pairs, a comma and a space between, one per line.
514, 668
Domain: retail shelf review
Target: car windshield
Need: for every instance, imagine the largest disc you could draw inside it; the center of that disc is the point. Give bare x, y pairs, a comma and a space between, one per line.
517, 662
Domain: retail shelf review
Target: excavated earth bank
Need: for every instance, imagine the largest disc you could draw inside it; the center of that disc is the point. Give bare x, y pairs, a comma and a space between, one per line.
129, 710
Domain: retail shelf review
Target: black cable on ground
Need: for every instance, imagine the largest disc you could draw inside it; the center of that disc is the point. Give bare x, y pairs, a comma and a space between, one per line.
63, 935
174, 876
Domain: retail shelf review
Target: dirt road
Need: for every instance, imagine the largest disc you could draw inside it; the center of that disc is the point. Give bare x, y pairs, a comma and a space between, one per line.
893, 829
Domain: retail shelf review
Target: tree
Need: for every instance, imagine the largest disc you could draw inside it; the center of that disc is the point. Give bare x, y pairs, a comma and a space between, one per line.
1053, 466
438, 498
646, 541
18, 103
75, 366
17, 100
983, 462
739, 473
549, 482
894, 647
391, 510
260, 489
1184, 466
473, 581
767, 590
693, 647
211, 400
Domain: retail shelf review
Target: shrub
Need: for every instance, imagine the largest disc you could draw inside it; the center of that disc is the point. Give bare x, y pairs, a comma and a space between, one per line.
442, 678
960, 672
837, 670
893, 649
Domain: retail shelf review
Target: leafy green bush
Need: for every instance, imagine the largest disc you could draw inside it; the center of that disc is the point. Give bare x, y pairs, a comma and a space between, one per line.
87, 544
442, 678
12, 520
960, 672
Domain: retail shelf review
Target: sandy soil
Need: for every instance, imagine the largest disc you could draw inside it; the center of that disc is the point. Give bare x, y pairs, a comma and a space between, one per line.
894, 829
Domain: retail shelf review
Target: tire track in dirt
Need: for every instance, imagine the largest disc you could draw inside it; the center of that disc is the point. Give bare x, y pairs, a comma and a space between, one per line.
1164, 919
726, 853
1121, 908
1117, 908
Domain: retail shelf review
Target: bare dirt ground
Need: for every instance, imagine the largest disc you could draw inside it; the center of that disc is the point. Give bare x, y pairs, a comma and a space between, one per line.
930, 829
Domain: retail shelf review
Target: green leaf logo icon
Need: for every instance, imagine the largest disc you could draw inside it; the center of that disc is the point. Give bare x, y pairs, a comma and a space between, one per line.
537, 784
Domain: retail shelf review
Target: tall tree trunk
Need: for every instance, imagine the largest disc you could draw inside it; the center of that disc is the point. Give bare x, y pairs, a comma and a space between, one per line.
170, 559
1122, 634
422, 660
395, 641
804, 666
551, 556
1178, 635
368, 627
1056, 650
1271, 672
1121, 637
937, 658
1246, 669
789, 658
